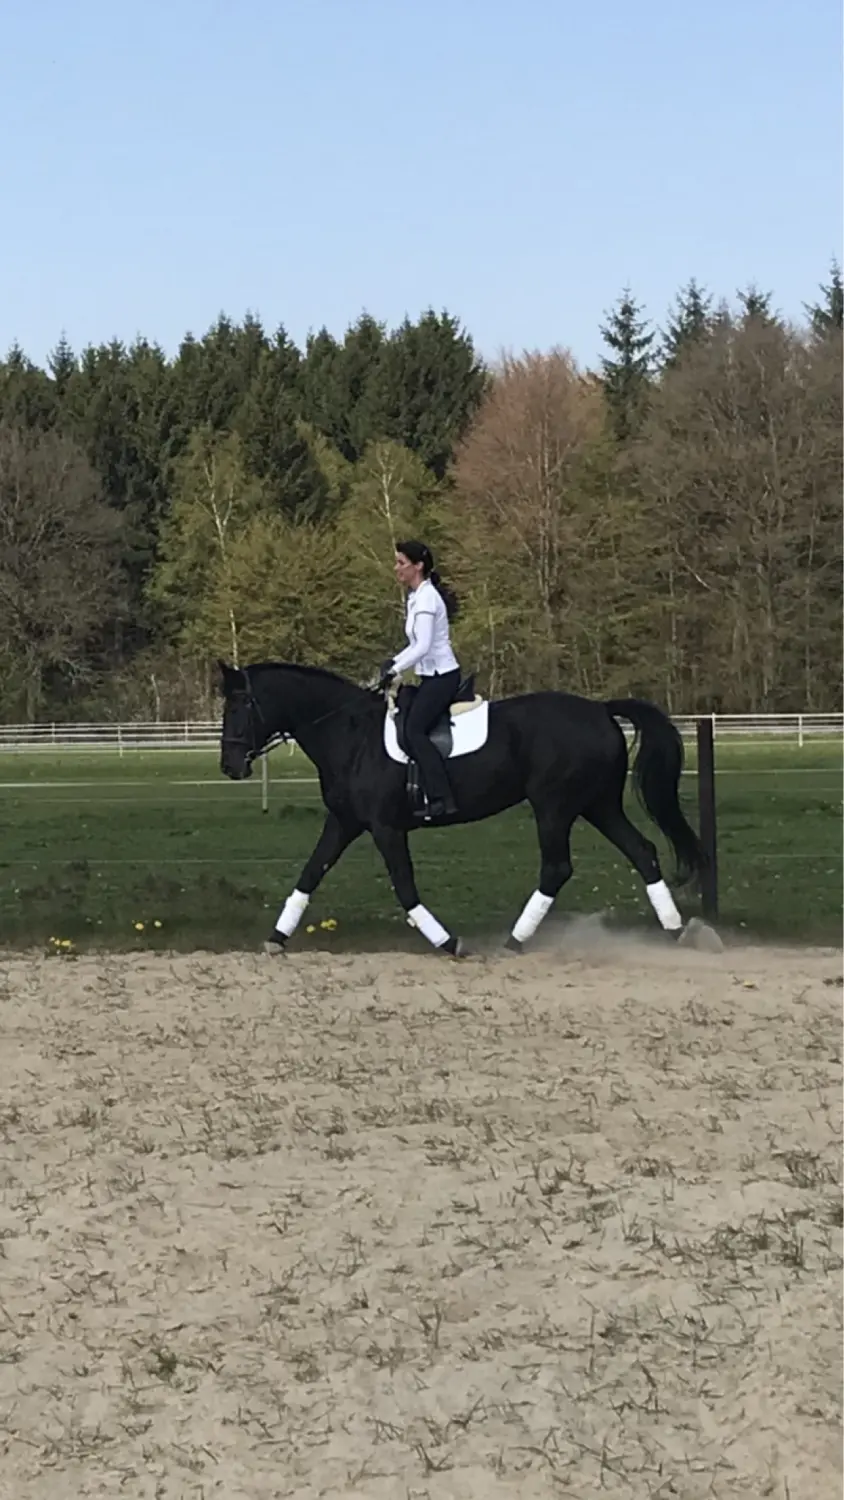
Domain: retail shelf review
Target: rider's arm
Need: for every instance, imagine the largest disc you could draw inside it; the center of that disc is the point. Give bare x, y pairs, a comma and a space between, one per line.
423, 635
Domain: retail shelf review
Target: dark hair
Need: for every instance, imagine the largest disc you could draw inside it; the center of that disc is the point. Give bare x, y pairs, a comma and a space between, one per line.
417, 552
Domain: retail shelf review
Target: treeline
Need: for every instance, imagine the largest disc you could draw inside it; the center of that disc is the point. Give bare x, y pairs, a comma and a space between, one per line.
667, 525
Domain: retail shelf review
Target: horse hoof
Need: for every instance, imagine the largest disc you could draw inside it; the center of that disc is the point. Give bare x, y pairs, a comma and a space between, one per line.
701, 937
276, 946
455, 948
513, 945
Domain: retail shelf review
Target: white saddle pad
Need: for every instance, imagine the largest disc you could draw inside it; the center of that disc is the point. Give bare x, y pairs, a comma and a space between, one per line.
469, 730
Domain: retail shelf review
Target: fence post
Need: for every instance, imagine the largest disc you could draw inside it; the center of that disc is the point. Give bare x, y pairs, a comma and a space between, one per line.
265, 782
706, 814
800, 730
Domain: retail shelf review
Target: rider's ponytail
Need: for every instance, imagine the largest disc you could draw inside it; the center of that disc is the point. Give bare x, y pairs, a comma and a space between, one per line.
448, 596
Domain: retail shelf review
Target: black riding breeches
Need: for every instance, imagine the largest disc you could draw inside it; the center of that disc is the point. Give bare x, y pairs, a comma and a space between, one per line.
433, 696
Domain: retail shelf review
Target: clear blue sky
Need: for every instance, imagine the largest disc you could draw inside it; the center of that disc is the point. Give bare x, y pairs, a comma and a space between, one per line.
515, 161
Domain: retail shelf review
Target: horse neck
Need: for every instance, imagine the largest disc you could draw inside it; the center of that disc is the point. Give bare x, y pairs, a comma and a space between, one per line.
307, 702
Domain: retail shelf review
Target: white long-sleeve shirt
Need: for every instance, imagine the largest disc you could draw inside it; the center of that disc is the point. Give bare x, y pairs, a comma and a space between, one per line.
426, 626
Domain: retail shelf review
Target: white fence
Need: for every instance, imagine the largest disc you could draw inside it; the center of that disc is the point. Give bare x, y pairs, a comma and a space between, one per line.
205, 734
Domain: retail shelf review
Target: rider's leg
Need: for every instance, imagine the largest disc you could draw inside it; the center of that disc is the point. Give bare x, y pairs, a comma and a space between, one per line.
434, 695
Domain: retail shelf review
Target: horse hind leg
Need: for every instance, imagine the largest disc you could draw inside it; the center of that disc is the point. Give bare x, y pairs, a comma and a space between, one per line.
555, 870
614, 824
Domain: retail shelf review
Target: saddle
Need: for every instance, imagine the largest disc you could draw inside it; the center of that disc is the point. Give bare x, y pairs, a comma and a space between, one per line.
440, 734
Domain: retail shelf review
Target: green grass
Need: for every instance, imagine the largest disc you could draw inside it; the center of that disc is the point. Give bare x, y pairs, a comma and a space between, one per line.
161, 836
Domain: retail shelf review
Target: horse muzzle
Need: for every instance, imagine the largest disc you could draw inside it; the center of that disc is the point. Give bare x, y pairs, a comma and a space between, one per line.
236, 765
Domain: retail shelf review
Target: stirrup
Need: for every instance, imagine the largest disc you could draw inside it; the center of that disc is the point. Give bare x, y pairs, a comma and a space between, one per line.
441, 807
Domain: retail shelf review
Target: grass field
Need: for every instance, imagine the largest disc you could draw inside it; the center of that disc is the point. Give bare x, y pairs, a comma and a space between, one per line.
93, 844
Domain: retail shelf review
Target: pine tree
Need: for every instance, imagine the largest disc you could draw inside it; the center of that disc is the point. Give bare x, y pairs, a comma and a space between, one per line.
62, 365
341, 397
27, 395
213, 375
627, 377
275, 449
118, 406
431, 383
420, 387
362, 417
321, 383
689, 324
756, 305
828, 315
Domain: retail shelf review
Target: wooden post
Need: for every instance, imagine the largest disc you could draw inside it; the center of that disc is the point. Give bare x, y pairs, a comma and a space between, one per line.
265, 783
706, 816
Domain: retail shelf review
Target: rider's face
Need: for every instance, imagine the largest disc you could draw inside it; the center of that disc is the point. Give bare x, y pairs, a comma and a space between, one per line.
409, 574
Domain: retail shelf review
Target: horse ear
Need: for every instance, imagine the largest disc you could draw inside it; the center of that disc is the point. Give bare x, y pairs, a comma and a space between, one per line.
231, 677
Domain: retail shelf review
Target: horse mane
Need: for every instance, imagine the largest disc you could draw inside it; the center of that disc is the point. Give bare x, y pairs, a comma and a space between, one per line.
323, 674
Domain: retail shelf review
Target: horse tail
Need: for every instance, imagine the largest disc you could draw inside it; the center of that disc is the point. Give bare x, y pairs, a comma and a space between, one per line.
656, 776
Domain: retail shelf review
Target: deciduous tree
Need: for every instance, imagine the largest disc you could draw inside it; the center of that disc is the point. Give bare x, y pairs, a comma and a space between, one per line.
59, 555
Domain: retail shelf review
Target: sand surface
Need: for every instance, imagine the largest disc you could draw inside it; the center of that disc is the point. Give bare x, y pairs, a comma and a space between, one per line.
393, 1227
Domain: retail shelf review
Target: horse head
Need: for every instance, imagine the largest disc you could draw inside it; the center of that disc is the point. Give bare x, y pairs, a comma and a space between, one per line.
244, 733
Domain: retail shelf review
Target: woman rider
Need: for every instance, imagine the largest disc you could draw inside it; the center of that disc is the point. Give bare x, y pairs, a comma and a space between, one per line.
431, 605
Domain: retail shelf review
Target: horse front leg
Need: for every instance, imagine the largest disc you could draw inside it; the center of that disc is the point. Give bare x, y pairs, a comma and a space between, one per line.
393, 848
335, 838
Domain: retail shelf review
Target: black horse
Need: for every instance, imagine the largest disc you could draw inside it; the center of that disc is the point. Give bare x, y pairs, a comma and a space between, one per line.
565, 755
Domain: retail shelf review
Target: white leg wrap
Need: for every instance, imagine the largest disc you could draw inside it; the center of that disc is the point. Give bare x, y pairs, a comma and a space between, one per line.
537, 907
662, 902
292, 912
427, 924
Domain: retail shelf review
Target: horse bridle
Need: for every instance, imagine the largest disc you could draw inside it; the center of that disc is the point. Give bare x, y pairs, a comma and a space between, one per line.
280, 737
249, 745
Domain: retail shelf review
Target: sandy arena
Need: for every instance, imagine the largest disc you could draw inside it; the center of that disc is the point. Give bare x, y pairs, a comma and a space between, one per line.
392, 1228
